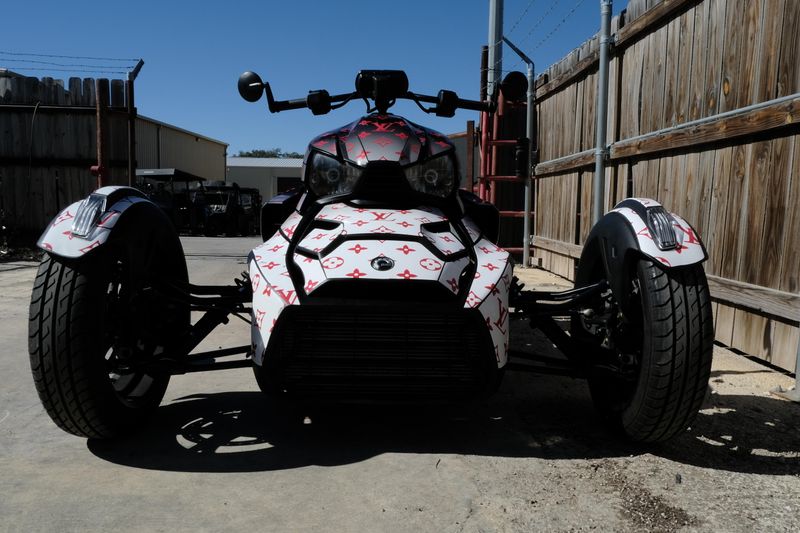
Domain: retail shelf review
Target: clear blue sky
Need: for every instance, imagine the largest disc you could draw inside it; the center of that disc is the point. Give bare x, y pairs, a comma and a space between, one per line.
195, 51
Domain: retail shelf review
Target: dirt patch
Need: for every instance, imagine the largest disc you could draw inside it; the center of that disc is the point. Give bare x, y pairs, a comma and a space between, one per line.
643, 509
19, 253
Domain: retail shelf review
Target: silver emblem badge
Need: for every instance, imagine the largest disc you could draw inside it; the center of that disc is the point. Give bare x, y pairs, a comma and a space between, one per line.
382, 263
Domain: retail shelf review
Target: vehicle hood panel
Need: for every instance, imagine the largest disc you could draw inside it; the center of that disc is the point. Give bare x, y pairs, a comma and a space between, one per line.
382, 137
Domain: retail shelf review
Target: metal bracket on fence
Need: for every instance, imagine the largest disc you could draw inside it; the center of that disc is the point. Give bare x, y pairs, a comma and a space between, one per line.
612, 45
792, 394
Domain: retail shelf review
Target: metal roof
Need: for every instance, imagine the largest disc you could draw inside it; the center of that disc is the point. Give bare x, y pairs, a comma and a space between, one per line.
265, 162
167, 173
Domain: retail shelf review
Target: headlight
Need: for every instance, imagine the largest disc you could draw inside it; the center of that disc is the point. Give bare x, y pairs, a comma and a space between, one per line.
435, 177
327, 176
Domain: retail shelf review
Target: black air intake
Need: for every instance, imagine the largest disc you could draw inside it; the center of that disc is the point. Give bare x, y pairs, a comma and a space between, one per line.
382, 354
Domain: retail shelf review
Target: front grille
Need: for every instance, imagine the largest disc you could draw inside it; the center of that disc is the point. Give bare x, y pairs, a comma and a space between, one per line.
372, 353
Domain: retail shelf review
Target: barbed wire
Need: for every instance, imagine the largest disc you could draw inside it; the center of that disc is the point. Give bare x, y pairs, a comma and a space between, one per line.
22, 61
55, 64
513, 27
95, 71
525, 12
556, 28
552, 31
6, 52
538, 23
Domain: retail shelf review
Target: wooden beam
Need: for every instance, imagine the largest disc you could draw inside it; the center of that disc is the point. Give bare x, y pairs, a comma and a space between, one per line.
649, 20
754, 298
565, 164
746, 121
558, 247
581, 67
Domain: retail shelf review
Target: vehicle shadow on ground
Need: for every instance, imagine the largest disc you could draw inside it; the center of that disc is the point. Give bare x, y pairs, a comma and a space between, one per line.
533, 416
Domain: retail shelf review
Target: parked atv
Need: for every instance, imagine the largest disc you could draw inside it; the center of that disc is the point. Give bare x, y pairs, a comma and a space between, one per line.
382, 282
231, 209
176, 193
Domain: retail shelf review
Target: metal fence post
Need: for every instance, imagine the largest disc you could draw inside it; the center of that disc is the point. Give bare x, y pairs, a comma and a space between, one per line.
495, 64
598, 184
529, 132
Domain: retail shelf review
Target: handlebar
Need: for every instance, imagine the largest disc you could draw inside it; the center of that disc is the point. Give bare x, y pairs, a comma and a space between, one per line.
384, 87
449, 97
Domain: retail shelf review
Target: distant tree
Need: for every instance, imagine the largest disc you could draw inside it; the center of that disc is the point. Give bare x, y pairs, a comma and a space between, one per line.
274, 152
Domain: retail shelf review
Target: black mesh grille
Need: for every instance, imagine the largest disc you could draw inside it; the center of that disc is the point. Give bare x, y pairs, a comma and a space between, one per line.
373, 353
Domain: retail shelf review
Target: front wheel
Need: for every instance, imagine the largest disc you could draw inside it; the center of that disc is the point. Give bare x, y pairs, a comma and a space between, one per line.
97, 330
664, 353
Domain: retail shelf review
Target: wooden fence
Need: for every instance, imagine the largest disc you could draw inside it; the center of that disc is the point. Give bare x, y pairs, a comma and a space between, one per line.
704, 116
48, 141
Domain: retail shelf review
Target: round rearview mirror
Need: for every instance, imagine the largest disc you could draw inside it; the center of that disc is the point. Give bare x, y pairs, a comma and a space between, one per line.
250, 86
514, 86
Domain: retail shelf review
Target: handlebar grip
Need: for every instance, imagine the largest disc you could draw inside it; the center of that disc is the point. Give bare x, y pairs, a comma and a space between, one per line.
286, 105
474, 105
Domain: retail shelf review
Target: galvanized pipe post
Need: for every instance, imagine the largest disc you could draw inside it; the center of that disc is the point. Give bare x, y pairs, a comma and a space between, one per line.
495, 45
101, 101
601, 149
529, 132
132, 122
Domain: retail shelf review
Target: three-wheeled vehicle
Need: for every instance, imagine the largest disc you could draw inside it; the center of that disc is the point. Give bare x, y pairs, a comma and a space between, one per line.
382, 282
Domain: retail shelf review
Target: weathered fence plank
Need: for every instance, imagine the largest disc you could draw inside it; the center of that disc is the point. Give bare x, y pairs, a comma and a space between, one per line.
788, 65
683, 128
47, 129
784, 113
790, 257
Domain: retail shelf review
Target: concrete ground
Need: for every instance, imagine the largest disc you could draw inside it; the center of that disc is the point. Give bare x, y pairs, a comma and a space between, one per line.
536, 458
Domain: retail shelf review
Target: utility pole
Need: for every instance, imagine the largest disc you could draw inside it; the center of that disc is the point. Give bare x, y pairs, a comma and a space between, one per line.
495, 63
598, 184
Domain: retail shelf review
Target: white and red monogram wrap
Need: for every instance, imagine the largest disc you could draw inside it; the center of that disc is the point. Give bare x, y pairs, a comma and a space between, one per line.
273, 289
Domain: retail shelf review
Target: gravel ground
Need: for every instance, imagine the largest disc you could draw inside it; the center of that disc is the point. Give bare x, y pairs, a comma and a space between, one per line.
535, 458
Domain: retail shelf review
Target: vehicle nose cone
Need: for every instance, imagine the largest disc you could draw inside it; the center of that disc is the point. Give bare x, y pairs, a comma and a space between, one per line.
382, 263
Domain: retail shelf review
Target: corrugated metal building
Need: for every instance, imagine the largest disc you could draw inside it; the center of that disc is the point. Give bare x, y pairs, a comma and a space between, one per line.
270, 175
46, 154
161, 145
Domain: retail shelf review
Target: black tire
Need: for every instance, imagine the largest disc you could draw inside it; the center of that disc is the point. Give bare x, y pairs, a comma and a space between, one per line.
93, 325
244, 227
266, 384
211, 229
672, 349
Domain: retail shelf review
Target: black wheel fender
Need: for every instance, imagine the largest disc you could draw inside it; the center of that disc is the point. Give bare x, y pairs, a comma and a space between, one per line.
627, 234
610, 251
